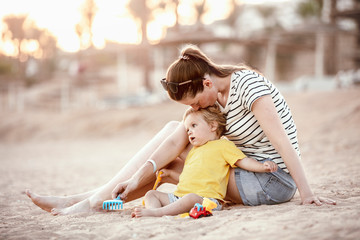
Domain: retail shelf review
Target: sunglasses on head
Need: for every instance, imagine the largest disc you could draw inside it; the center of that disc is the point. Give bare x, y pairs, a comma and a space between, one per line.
174, 87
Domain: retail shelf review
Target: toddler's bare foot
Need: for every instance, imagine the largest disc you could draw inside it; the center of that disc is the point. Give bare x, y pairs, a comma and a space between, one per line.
81, 207
143, 212
46, 202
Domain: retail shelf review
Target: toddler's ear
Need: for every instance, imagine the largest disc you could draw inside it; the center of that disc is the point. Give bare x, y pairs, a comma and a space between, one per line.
214, 126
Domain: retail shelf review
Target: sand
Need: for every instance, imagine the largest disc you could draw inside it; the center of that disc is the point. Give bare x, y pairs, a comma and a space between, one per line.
62, 154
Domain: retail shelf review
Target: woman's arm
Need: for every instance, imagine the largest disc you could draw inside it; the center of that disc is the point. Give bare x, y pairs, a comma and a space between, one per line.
266, 114
252, 165
163, 155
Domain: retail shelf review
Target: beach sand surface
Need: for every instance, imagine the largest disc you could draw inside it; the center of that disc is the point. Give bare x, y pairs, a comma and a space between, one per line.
63, 154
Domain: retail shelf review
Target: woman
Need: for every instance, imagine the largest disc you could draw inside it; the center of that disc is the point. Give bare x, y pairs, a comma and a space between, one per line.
259, 122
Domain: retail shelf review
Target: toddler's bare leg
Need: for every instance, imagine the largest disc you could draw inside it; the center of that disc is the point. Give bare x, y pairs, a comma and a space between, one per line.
156, 199
181, 206
93, 199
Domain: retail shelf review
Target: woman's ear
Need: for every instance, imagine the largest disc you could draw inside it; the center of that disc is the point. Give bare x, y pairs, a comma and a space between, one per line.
207, 83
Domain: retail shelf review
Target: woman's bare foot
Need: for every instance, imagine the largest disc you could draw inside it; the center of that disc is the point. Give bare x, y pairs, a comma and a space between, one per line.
47, 202
143, 212
81, 207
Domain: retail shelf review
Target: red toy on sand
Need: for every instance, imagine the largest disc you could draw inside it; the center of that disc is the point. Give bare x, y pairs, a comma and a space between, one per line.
203, 210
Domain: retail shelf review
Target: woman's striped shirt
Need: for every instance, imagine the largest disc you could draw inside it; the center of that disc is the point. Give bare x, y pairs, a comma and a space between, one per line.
242, 127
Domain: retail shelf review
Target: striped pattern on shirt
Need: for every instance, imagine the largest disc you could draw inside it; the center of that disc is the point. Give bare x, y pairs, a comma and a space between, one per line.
242, 127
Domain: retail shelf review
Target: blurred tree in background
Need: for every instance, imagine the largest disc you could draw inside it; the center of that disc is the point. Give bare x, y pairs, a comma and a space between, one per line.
15, 33
30, 44
45, 54
33, 45
142, 13
84, 32
84, 27
201, 9
310, 9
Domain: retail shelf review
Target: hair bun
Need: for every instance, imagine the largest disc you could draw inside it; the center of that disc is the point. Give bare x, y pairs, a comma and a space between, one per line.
184, 57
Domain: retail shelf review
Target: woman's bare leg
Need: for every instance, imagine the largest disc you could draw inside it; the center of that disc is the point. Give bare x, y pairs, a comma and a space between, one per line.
94, 202
49, 202
93, 199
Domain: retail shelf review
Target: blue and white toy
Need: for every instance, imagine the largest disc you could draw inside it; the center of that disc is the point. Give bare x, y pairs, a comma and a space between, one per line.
115, 204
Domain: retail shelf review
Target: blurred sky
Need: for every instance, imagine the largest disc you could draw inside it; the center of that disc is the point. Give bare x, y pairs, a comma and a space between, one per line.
61, 16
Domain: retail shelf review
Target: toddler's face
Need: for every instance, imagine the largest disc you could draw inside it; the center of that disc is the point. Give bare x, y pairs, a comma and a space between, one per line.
198, 130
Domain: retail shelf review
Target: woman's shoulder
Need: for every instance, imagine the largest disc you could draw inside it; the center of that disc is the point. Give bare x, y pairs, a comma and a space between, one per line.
246, 77
246, 87
245, 72
241, 79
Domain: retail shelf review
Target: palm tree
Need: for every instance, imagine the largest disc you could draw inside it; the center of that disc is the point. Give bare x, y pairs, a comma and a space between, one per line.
83, 28
15, 32
201, 10
141, 12
46, 51
163, 4
231, 20
312, 10
176, 2
269, 16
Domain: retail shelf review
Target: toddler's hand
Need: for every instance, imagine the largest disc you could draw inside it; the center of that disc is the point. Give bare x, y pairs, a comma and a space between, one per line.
164, 173
270, 166
168, 176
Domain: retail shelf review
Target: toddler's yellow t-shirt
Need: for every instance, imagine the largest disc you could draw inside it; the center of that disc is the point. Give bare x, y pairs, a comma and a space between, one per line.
206, 169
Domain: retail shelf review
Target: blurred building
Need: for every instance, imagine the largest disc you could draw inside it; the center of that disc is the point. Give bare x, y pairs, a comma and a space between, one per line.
285, 49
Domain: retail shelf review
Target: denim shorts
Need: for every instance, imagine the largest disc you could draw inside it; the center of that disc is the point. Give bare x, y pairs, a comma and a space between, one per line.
264, 188
174, 198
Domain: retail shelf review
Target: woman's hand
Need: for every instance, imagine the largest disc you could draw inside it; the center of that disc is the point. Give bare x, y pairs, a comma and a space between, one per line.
318, 201
124, 188
270, 166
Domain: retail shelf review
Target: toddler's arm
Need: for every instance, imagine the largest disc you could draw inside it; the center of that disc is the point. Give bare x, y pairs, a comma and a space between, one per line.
169, 176
252, 165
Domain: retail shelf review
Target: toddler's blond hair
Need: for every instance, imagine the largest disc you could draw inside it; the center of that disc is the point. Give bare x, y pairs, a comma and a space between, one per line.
210, 114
